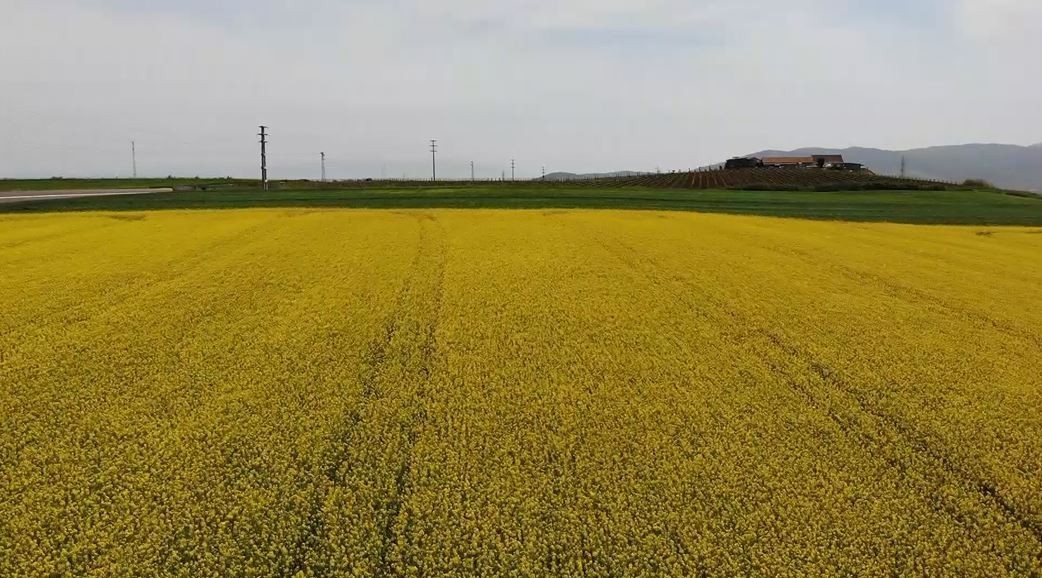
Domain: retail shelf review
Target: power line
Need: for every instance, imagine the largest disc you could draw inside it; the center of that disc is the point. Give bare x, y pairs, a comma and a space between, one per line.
434, 159
264, 156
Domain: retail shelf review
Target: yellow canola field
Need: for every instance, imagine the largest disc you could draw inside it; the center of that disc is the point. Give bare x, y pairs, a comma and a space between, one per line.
527, 393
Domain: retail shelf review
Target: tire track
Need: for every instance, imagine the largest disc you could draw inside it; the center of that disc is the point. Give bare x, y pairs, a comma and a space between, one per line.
156, 282
986, 489
911, 295
431, 270
394, 376
745, 329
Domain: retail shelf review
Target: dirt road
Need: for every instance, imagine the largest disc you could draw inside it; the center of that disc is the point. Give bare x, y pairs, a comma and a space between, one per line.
23, 196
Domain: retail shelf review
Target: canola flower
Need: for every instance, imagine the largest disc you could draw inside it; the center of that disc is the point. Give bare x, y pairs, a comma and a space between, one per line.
524, 393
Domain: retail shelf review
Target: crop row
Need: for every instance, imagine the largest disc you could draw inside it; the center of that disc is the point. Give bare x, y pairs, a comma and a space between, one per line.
766, 178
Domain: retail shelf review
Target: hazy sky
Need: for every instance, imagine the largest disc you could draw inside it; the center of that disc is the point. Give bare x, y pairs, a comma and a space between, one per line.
580, 85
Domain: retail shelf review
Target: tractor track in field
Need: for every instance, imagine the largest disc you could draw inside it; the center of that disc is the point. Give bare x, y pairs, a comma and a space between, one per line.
167, 276
910, 295
746, 328
384, 386
433, 256
921, 447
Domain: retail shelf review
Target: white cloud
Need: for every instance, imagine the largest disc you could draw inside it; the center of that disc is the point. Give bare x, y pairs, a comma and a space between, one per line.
1001, 20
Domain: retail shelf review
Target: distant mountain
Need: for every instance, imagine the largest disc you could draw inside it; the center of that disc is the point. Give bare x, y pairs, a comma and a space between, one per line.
1007, 166
562, 176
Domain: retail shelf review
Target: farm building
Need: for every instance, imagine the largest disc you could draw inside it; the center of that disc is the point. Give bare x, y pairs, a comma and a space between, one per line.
827, 160
834, 162
846, 166
742, 163
789, 162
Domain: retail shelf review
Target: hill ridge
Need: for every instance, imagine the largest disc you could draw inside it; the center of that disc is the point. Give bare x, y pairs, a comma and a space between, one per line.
1005, 165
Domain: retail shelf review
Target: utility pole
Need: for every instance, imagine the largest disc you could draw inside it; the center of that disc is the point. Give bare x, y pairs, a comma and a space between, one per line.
544, 173
133, 156
904, 166
512, 165
264, 156
472, 171
323, 166
434, 159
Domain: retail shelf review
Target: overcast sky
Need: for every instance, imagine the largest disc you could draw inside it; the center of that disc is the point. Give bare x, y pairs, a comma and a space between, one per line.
579, 85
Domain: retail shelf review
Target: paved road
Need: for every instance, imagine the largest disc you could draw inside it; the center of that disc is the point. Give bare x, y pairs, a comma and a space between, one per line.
22, 196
